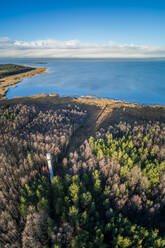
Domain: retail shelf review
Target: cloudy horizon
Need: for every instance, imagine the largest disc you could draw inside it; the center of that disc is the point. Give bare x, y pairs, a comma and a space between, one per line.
51, 48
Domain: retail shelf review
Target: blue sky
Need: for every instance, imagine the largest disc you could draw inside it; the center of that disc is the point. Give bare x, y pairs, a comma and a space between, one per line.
123, 22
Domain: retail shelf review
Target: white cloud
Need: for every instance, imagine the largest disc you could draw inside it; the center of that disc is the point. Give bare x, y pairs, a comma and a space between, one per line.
75, 48
4, 39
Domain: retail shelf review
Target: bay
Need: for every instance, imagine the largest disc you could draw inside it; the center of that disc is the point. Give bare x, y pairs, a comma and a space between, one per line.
140, 81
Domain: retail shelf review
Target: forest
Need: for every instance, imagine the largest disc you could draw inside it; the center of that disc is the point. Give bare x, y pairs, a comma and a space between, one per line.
108, 192
11, 69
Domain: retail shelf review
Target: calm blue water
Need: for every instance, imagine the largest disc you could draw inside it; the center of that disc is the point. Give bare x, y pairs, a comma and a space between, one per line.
133, 80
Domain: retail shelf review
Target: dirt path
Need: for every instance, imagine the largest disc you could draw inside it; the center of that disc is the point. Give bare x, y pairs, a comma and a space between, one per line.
87, 129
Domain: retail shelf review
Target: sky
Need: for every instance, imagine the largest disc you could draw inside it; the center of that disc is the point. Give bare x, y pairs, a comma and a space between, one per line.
88, 28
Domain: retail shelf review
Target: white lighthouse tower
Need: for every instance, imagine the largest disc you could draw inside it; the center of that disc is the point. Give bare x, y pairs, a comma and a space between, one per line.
49, 159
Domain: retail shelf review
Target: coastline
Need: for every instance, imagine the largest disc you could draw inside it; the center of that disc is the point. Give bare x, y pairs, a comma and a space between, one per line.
17, 78
102, 111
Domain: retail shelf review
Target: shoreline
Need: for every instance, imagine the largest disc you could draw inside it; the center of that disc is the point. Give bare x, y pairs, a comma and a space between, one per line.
17, 78
117, 109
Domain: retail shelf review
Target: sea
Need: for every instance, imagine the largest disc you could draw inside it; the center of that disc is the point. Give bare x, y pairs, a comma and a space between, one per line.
140, 81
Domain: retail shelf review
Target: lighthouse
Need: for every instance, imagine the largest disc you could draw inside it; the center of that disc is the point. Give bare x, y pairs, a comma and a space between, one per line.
49, 159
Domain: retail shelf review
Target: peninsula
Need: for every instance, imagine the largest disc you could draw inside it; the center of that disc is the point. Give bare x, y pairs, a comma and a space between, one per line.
11, 74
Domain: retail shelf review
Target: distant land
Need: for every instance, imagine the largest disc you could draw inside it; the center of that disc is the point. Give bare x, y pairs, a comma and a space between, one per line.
11, 69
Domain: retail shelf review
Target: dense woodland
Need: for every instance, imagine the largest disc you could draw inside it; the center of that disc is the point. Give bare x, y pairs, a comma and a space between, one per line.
11, 69
109, 192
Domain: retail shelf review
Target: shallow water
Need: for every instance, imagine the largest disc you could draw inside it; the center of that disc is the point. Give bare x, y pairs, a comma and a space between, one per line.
139, 81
